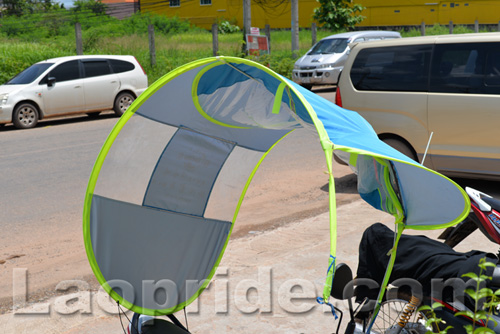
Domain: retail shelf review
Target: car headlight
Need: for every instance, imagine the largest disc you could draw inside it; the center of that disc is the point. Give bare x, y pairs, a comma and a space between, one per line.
296, 67
326, 65
3, 99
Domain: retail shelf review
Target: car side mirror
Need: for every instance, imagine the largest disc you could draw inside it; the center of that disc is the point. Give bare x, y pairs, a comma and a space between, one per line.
51, 81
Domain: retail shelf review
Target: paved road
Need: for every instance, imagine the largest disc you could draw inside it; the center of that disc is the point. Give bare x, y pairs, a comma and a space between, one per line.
44, 171
44, 174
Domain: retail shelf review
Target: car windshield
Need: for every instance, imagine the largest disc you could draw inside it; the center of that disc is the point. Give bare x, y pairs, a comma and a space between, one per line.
29, 75
329, 46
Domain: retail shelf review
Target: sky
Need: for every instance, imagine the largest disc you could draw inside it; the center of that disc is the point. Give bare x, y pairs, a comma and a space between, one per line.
67, 3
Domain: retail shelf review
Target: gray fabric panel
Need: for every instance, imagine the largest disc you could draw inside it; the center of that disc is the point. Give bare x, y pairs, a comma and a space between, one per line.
173, 104
150, 249
230, 183
186, 172
423, 191
127, 169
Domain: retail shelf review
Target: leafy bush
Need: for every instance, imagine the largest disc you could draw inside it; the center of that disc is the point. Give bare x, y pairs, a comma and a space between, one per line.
226, 27
281, 62
486, 303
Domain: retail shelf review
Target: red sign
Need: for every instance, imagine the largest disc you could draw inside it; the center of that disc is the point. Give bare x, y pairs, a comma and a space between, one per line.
257, 45
254, 31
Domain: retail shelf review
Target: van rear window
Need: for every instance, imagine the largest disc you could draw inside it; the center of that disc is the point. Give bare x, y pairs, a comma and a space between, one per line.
401, 68
467, 68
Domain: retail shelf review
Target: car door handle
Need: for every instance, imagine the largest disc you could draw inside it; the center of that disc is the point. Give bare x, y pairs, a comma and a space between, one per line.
78, 86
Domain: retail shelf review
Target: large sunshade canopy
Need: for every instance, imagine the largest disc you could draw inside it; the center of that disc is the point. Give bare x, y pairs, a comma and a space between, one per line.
167, 185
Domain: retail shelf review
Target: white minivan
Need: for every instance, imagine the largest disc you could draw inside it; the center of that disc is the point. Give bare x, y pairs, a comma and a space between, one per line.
321, 65
434, 94
71, 85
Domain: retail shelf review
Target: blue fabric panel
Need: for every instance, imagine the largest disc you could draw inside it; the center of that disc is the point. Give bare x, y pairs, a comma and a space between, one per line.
226, 76
137, 245
371, 185
348, 128
185, 174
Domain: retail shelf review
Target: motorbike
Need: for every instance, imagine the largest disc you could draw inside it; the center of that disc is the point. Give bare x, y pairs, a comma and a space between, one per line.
400, 312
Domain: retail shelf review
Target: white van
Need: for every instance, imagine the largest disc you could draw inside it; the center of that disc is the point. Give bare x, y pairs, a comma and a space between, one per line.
322, 64
441, 91
71, 85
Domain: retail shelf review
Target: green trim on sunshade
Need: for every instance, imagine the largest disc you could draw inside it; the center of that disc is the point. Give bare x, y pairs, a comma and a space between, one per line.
278, 97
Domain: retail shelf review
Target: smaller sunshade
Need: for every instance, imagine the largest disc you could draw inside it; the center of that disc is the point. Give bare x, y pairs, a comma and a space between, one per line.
166, 188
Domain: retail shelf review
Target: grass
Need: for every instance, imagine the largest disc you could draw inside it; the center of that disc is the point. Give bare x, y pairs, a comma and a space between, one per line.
172, 49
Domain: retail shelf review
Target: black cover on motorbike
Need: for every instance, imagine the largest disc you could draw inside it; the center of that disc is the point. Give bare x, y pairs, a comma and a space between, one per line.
418, 257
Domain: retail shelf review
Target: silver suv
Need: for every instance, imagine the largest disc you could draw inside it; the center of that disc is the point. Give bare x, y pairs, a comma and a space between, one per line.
71, 85
321, 65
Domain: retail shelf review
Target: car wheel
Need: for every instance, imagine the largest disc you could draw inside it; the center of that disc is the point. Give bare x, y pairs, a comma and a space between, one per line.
122, 102
25, 116
401, 147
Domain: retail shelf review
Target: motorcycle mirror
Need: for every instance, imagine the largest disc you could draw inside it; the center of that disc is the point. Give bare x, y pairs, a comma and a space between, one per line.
343, 275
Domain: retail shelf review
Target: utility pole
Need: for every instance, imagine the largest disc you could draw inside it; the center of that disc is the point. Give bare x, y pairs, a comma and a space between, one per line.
295, 27
247, 22
247, 16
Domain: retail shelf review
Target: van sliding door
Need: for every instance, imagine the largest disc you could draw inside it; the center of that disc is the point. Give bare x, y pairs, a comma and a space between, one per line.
390, 92
464, 108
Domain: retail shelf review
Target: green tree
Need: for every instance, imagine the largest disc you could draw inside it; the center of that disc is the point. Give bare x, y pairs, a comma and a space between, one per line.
25, 7
92, 6
14, 7
338, 14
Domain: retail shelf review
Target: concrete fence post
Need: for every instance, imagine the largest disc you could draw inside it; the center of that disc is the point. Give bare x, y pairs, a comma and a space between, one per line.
78, 37
152, 48
314, 30
215, 39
